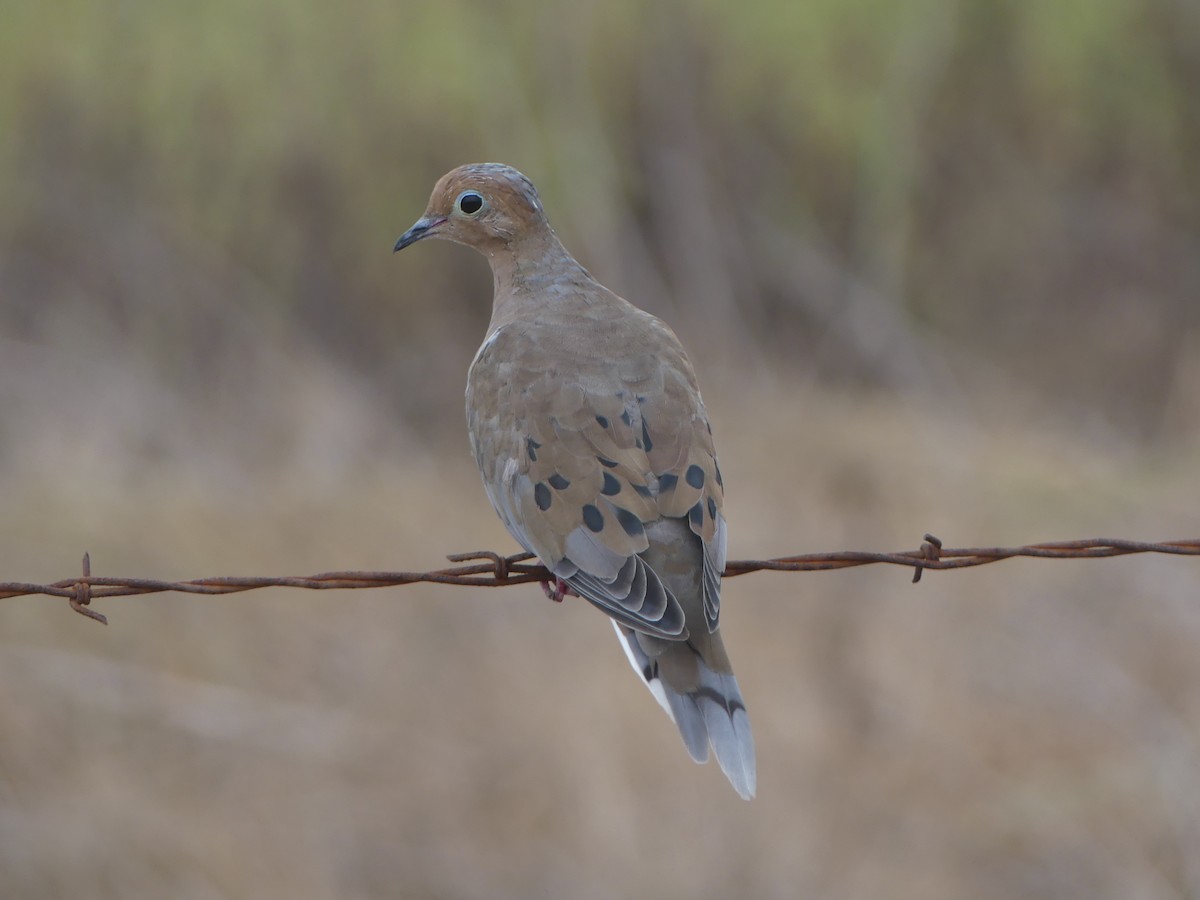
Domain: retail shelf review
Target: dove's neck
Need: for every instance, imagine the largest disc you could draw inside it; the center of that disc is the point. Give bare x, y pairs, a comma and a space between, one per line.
530, 272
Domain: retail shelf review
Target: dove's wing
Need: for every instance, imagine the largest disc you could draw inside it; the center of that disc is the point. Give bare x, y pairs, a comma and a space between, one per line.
581, 447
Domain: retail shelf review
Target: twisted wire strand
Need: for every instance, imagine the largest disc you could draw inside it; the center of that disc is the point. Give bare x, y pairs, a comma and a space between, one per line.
484, 568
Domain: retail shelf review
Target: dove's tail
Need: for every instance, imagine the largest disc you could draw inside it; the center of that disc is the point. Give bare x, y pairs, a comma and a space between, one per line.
705, 704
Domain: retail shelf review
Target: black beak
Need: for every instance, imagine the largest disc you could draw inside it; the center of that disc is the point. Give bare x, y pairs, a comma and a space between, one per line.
421, 228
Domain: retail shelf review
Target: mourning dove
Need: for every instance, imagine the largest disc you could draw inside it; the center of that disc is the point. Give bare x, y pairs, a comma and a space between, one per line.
588, 428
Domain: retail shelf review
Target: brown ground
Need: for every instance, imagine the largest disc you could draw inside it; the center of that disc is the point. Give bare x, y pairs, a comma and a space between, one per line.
1026, 729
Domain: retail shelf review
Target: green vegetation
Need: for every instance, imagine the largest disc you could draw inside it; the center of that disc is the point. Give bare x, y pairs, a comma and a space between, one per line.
1010, 177
938, 263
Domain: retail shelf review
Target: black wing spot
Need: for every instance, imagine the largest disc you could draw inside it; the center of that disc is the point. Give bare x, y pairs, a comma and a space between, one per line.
607, 463
643, 490
712, 508
667, 482
694, 476
603, 422
717, 472
631, 523
611, 485
627, 418
649, 671
541, 496
531, 448
558, 482
696, 517
592, 518
647, 444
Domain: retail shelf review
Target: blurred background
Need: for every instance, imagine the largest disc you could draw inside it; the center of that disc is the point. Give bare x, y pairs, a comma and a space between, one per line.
938, 265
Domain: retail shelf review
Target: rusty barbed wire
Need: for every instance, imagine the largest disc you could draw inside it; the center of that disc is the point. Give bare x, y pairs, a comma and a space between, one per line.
483, 568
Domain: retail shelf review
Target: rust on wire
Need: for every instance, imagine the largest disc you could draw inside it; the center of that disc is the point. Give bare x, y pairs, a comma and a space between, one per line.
931, 549
484, 568
81, 596
499, 562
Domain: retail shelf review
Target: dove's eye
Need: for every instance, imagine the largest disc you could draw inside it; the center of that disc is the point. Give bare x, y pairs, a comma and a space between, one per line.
470, 203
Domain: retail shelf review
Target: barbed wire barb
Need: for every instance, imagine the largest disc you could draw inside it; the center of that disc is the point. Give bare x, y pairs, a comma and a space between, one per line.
485, 568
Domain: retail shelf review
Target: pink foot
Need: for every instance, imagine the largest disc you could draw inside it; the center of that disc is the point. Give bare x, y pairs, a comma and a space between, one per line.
558, 591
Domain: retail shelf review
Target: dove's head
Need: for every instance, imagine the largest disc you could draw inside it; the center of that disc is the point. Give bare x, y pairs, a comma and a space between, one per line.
483, 205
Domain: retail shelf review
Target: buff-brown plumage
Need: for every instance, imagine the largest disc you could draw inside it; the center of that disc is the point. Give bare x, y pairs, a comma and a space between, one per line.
586, 422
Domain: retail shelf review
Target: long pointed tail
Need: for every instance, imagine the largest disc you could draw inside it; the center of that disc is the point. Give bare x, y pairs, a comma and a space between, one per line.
706, 705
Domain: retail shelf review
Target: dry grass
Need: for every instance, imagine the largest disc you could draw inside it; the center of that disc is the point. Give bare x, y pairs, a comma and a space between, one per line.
1021, 730
210, 364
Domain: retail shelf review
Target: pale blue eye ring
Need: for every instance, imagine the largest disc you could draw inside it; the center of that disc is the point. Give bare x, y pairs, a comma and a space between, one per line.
469, 203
